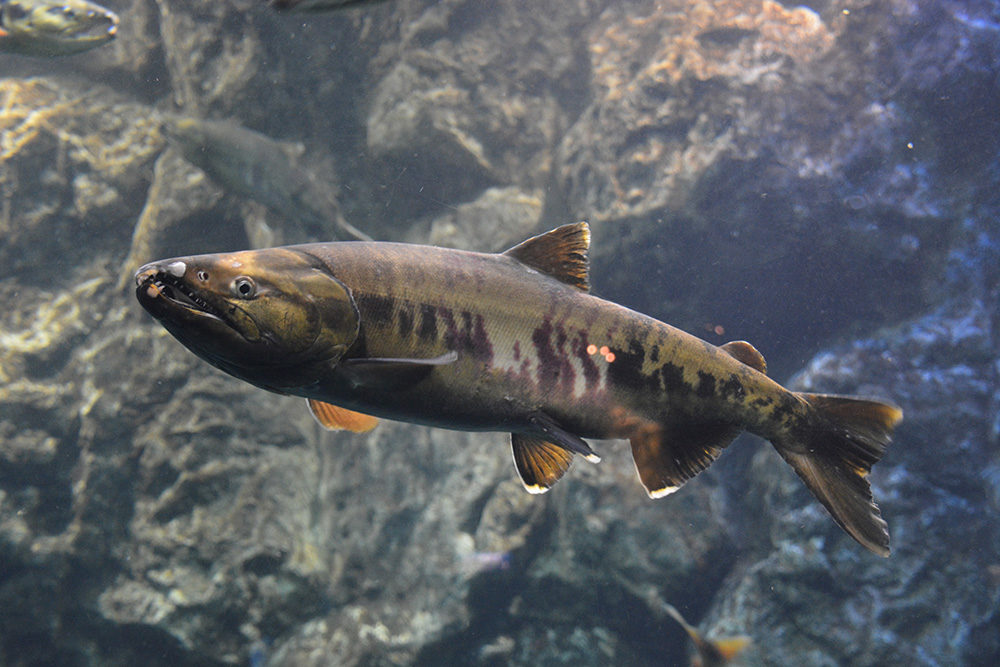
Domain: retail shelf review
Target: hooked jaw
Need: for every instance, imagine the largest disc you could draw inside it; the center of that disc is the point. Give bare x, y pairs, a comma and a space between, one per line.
160, 287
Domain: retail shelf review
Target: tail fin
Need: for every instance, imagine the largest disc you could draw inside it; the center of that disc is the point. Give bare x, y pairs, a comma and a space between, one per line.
833, 455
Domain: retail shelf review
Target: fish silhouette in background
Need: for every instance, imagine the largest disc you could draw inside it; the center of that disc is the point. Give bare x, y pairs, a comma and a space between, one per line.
54, 27
255, 166
710, 652
509, 342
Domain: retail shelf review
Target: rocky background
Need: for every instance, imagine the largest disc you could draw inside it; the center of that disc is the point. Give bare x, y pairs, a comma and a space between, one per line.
823, 181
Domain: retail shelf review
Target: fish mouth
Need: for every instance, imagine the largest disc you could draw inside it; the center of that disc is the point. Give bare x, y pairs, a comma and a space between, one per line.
157, 286
97, 27
91, 25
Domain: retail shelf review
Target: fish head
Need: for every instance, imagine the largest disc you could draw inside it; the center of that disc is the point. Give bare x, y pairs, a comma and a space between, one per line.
276, 318
55, 27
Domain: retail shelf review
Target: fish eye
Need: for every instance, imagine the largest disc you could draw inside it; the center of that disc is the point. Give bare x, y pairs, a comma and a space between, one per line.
244, 287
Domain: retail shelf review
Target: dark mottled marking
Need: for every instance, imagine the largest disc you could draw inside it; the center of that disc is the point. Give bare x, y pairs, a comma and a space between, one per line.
672, 377
626, 370
405, 319
428, 322
375, 307
517, 350
706, 385
786, 408
469, 336
554, 370
732, 388
450, 328
481, 344
548, 370
654, 354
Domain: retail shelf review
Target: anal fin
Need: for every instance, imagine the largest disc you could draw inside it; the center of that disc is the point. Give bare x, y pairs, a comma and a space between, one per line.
335, 418
539, 464
668, 456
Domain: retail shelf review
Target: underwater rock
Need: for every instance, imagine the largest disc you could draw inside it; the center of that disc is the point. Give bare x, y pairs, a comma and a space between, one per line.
178, 191
673, 92
71, 160
498, 219
717, 126
935, 600
476, 95
212, 51
736, 159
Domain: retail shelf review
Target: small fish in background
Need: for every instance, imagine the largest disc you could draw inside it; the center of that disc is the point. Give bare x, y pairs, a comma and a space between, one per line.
711, 652
258, 167
318, 5
54, 27
510, 342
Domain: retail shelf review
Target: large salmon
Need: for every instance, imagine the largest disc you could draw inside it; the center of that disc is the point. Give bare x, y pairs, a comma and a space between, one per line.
509, 342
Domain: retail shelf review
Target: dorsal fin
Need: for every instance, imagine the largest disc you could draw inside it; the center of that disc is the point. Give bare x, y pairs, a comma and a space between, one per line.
747, 353
560, 253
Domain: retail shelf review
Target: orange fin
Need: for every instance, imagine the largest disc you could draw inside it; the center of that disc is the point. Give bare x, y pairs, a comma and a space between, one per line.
665, 457
540, 464
336, 418
747, 353
712, 652
730, 647
560, 253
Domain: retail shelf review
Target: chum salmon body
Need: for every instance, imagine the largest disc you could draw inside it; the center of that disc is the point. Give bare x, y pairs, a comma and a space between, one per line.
510, 342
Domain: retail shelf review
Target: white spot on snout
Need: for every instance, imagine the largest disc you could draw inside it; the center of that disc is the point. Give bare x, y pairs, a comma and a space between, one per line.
176, 269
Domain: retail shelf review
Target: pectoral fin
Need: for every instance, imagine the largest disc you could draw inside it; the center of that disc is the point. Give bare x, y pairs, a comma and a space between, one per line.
391, 374
335, 418
540, 464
